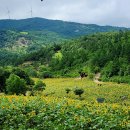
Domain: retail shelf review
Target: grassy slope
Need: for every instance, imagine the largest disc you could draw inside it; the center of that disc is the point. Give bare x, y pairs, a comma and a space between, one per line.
112, 92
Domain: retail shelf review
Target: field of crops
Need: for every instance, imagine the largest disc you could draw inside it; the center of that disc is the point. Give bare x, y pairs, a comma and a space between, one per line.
56, 110
112, 92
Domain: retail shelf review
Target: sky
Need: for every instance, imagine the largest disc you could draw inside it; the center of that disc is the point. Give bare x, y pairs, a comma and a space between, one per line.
101, 12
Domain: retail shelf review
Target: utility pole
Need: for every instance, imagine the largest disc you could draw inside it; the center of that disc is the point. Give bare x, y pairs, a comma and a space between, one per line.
31, 12
8, 12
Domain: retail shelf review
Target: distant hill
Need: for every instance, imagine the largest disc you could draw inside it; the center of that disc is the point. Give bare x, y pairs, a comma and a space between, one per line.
62, 28
9, 38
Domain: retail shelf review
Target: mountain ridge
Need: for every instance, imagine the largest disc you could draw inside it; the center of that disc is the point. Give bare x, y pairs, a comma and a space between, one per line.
63, 28
63, 21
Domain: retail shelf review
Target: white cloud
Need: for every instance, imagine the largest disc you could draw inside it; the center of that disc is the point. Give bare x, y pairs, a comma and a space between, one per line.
102, 12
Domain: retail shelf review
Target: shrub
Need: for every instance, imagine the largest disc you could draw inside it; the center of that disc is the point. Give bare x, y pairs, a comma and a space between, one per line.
104, 78
4, 74
45, 74
120, 79
39, 85
78, 91
67, 90
15, 85
22, 74
91, 76
31, 71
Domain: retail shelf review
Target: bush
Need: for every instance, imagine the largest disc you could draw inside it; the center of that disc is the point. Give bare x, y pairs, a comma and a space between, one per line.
22, 74
45, 74
15, 85
31, 71
78, 91
91, 76
104, 78
39, 85
67, 90
4, 74
120, 79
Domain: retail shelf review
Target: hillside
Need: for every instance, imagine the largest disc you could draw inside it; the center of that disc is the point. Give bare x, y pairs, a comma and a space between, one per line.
9, 38
107, 53
44, 56
17, 44
62, 28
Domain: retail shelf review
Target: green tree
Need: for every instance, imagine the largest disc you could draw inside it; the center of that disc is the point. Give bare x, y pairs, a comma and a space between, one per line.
22, 74
78, 91
15, 85
39, 86
4, 74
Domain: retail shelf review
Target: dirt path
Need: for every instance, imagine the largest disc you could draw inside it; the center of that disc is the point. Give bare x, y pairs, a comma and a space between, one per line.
96, 78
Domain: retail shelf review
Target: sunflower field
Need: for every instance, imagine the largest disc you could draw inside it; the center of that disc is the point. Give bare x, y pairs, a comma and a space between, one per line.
60, 111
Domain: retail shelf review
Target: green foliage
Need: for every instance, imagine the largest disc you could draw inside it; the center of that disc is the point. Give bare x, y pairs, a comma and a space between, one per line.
9, 58
55, 111
107, 53
31, 71
36, 113
78, 91
58, 56
7, 38
68, 90
4, 74
44, 72
22, 74
15, 45
39, 86
15, 85
62, 28
120, 79
112, 68
91, 76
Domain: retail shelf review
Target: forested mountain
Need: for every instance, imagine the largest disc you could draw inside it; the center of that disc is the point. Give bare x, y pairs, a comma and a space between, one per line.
107, 53
42, 47
62, 28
